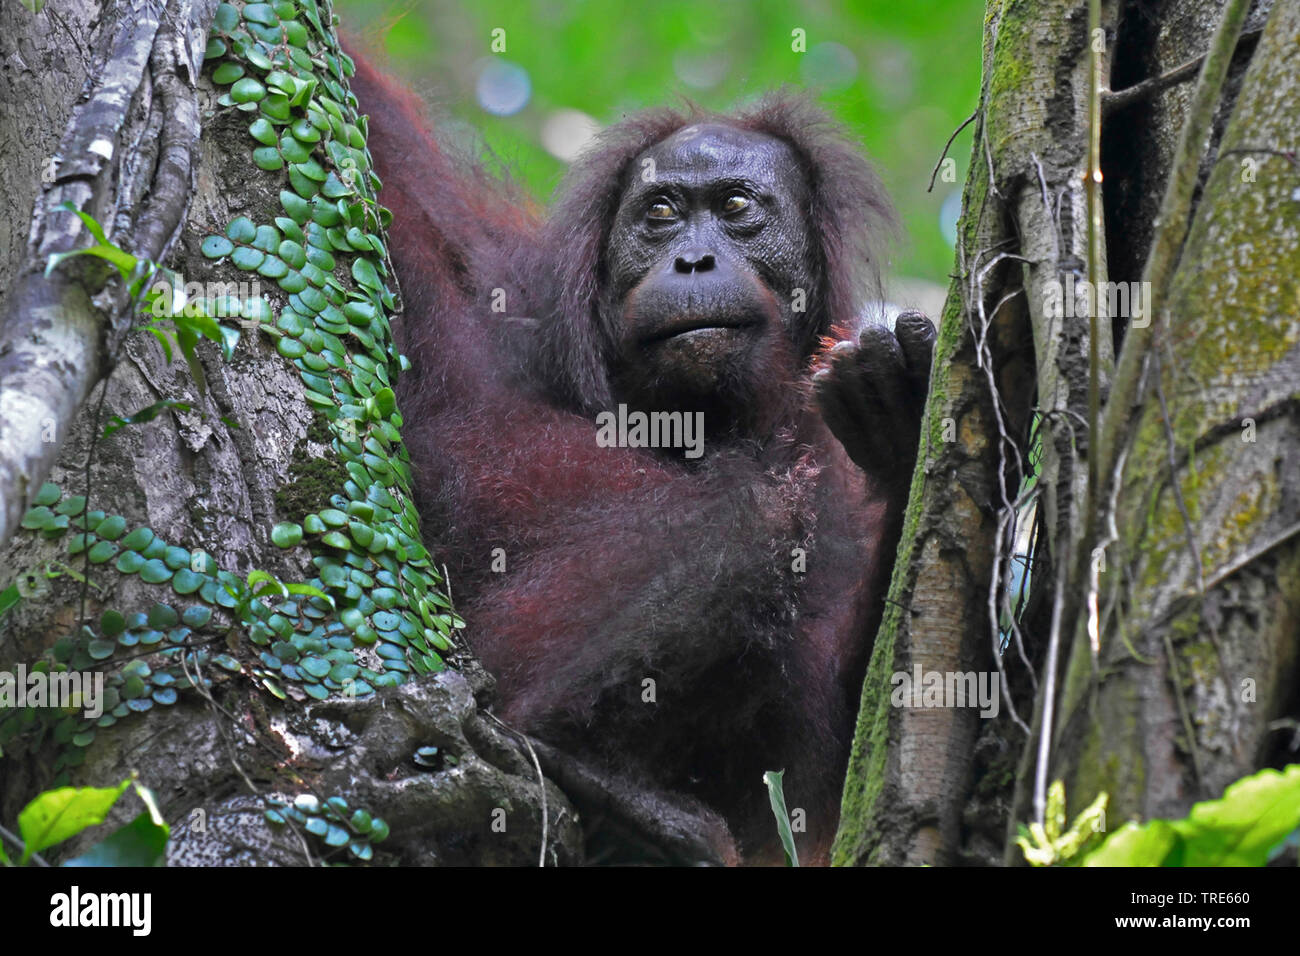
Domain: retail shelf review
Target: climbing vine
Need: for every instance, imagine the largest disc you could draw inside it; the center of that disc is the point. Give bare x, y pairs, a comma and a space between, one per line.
375, 613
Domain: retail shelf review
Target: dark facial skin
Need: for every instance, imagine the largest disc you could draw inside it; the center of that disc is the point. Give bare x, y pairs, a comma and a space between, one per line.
703, 262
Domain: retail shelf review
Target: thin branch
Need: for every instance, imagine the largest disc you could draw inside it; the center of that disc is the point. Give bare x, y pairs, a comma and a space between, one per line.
946, 146
1255, 553
1119, 99
541, 781
1115, 100
1183, 715
1096, 232
19, 844
1049, 693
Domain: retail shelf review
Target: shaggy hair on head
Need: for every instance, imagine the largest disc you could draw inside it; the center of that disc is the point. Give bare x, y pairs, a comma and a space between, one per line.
851, 217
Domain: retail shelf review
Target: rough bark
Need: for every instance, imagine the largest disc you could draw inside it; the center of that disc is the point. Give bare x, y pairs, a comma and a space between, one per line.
935, 785
211, 482
1201, 591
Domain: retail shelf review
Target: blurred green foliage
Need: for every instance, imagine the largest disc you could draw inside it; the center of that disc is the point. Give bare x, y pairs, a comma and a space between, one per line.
902, 74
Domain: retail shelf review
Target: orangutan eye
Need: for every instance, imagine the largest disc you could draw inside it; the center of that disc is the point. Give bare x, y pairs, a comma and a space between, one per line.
736, 202
661, 210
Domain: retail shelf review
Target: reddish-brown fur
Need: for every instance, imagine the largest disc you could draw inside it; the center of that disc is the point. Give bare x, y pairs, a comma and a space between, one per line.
624, 564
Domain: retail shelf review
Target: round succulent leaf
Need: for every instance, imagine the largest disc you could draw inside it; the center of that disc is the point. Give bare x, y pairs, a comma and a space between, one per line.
262, 131
241, 229
197, 615
154, 571
227, 663
268, 158
185, 581
255, 55
299, 209
247, 90
129, 562
247, 258
276, 107
71, 506
48, 494
215, 247
261, 13
273, 268
137, 539
102, 552
293, 281
112, 623
227, 73
286, 534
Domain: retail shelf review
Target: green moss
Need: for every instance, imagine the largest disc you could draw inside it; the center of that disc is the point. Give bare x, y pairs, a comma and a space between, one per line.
1011, 89
1112, 761
312, 480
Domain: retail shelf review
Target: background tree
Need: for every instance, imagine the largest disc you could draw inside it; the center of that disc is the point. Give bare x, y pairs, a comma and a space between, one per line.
1159, 636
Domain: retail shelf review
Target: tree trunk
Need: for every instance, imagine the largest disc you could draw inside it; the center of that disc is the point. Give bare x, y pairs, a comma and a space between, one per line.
1195, 655
1200, 591
284, 457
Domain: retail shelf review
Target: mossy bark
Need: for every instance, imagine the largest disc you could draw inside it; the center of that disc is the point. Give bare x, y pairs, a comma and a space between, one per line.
256, 448
1200, 595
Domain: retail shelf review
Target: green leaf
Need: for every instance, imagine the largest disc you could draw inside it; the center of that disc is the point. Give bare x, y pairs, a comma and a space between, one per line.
1136, 845
385, 402
72, 506
262, 577
287, 533
124, 261
336, 540
241, 229
145, 415
139, 538
268, 158
261, 13
8, 598
112, 623
214, 247
247, 90
142, 842
247, 258
299, 209
102, 551
776, 795
364, 272
49, 493
155, 572
57, 815
227, 73
111, 528
1254, 815
226, 18
262, 131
